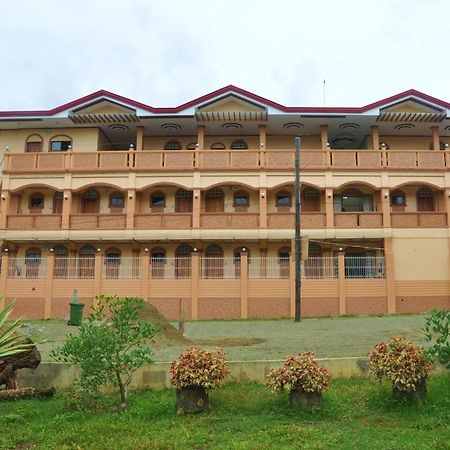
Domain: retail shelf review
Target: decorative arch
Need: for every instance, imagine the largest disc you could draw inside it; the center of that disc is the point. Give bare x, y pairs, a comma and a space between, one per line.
355, 183
191, 146
34, 143
218, 146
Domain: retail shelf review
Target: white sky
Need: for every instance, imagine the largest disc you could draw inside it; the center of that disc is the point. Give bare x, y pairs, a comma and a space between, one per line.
167, 52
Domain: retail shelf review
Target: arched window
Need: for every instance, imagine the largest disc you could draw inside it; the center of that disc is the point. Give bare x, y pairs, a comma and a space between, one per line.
36, 202
218, 146
158, 262
425, 199
398, 200
215, 200
90, 201
183, 261
61, 261
314, 263
60, 143
32, 262
172, 145
183, 200
213, 262
112, 263
86, 262
191, 146
116, 201
58, 198
239, 144
310, 200
283, 261
283, 200
157, 201
241, 200
34, 143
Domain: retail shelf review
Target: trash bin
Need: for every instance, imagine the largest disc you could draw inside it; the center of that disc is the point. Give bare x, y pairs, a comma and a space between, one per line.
76, 313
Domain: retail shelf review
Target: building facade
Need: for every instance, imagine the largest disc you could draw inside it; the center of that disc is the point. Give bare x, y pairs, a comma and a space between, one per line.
192, 207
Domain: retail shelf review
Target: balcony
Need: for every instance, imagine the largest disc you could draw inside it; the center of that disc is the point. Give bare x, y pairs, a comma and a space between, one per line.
33, 221
222, 221
97, 221
156, 160
419, 219
166, 221
358, 220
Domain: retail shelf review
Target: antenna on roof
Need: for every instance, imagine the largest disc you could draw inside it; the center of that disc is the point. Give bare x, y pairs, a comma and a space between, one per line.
324, 86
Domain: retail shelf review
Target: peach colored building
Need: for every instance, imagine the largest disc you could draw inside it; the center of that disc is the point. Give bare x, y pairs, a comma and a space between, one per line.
191, 207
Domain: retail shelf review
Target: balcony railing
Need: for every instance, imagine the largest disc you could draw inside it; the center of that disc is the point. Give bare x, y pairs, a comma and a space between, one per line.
157, 160
239, 221
166, 221
97, 221
358, 220
419, 219
33, 221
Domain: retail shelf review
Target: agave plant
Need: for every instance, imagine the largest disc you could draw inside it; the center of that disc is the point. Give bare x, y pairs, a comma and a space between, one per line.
9, 339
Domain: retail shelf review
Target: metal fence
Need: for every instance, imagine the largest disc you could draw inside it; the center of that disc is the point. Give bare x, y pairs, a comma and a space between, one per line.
365, 267
121, 268
30, 268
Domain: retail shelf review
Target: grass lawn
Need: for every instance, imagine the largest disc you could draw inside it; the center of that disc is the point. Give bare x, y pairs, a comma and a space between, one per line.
357, 414
268, 339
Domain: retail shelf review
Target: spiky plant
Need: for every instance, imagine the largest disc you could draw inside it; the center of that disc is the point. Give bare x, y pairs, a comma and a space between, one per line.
10, 341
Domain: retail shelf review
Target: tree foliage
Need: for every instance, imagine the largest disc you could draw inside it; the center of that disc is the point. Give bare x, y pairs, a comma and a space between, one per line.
111, 345
437, 333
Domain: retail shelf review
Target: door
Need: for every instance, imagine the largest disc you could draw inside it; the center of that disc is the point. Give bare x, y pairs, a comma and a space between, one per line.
183, 201
213, 262
90, 202
183, 261
283, 262
214, 201
32, 262
86, 262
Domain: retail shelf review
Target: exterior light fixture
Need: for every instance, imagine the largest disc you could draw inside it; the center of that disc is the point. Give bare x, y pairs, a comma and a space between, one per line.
99, 250
244, 249
386, 194
146, 250
3, 197
329, 195
340, 249
66, 197
195, 249
263, 195
6, 250
328, 145
69, 147
51, 250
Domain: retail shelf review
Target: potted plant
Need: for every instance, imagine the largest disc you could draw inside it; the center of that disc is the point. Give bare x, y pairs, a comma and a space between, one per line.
303, 377
194, 373
402, 363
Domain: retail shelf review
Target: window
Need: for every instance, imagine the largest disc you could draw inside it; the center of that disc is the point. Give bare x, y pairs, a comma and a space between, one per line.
353, 200
283, 262
60, 144
172, 145
310, 200
398, 198
34, 143
239, 144
158, 262
36, 201
425, 200
90, 201
217, 146
116, 200
157, 200
112, 263
241, 199
32, 262
284, 198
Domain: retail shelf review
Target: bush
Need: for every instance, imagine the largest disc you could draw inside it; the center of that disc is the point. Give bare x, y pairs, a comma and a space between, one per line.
300, 372
10, 342
401, 362
201, 368
437, 333
111, 345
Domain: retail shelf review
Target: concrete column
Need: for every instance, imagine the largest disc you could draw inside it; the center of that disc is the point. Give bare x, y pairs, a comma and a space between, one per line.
324, 137
98, 275
263, 208
436, 140
66, 209
375, 137
131, 208
201, 137
341, 279
49, 286
4, 279
390, 276
195, 281
4, 209
196, 208
386, 207
244, 285
139, 138
329, 208
262, 145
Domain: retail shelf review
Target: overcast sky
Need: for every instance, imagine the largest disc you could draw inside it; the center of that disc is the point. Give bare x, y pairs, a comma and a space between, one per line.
164, 53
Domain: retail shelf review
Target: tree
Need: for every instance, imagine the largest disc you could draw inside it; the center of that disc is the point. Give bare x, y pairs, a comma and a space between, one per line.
10, 342
111, 345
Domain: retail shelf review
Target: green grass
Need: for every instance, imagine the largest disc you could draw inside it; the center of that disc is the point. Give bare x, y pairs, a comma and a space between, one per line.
357, 414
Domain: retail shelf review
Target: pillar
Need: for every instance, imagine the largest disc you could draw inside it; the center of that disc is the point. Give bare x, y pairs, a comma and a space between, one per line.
98, 275
131, 208
375, 137
262, 145
329, 208
201, 137
244, 285
139, 138
66, 209
49, 286
146, 274
341, 281
324, 137
435, 135
263, 208
386, 207
195, 281
4, 210
196, 208
4, 279
390, 276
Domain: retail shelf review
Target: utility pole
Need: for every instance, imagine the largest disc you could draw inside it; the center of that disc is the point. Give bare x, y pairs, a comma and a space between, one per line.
298, 247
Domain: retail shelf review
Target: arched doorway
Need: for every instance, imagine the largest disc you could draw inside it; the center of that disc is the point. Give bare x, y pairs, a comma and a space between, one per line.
425, 200
213, 267
158, 262
32, 263
61, 261
86, 262
90, 202
284, 262
215, 200
183, 261
112, 263
183, 201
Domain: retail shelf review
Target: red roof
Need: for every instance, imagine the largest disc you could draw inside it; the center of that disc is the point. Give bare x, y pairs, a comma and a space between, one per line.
220, 93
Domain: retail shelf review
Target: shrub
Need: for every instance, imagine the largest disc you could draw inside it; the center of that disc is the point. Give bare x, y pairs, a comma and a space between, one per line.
437, 333
300, 372
201, 368
10, 342
111, 345
399, 361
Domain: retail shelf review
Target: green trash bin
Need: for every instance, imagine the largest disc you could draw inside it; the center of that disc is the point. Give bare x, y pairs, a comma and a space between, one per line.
76, 313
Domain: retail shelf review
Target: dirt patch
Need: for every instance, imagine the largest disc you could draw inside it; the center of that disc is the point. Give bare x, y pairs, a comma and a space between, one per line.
168, 334
229, 342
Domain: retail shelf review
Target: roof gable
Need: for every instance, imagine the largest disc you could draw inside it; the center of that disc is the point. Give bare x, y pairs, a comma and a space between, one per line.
412, 105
